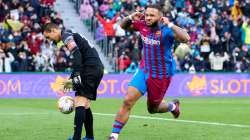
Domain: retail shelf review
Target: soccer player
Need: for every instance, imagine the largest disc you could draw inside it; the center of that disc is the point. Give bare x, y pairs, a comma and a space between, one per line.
156, 68
85, 78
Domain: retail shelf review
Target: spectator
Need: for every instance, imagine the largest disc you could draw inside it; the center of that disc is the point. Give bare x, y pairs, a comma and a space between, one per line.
143, 3
107, 25
99, 34
214, 26
246, 32
179, 4
60, 61
39, 61
23, 62
246, 8
47, 2
123, 62
186, 63
236, 11
5, 61
236, 33
86, 12
47, 50
228, 43
217, 60
119, 32
21, 37
104, 7
182, 50
110, 14
34, 42
117, 5
60, 64
3, 11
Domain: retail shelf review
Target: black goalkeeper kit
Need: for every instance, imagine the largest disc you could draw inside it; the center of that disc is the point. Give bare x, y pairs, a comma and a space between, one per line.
86, 64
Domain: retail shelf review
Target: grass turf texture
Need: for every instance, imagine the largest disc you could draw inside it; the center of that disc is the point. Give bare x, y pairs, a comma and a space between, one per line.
38, 119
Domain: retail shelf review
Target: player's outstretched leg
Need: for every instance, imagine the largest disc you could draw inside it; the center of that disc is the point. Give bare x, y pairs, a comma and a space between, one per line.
123, 114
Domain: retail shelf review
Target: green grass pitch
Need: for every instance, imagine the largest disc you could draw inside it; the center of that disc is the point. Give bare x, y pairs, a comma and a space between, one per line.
38, 119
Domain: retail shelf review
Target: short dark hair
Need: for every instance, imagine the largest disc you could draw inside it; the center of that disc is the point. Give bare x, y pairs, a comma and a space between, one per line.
155, 6
49, 26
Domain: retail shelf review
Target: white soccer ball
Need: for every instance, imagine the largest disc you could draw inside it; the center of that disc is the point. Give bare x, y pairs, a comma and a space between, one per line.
66, 104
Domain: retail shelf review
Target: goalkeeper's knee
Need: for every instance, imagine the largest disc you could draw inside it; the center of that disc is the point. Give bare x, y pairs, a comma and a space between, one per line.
82, 101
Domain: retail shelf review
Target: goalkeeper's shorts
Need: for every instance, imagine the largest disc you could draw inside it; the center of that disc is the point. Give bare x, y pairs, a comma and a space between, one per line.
91, 77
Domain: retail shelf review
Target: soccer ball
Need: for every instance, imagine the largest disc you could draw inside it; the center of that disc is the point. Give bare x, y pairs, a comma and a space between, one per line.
66, 104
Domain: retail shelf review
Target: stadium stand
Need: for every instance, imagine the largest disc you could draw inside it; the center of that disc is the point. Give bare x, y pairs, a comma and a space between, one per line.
22, 44
219, 30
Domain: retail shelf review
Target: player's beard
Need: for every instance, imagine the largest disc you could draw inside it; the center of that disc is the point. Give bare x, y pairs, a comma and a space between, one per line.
153, 25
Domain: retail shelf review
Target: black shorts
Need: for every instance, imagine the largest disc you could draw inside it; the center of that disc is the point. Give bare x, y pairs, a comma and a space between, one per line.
91, 77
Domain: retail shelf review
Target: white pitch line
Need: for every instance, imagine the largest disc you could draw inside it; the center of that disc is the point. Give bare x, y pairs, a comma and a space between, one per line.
23, 114
178, 120
140, 117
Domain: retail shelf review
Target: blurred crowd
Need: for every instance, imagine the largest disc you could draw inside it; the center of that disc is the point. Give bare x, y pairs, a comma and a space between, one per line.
22, 44
219, 31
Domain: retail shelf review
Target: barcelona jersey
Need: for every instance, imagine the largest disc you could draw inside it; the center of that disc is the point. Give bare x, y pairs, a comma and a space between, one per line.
157, 61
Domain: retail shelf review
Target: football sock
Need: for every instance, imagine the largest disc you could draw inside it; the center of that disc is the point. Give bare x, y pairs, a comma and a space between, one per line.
171, 106
88, 124
78, 122
117, 127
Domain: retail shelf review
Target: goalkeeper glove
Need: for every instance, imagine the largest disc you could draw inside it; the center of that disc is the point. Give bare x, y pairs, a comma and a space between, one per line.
76, 80
67, 85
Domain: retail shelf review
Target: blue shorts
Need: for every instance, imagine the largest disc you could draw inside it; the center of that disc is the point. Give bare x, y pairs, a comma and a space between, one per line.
139, 81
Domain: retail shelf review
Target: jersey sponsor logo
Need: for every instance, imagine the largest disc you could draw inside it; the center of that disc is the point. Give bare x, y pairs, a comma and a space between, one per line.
150, 41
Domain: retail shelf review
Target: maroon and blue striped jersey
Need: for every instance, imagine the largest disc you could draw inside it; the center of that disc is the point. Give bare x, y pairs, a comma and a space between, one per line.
157, 61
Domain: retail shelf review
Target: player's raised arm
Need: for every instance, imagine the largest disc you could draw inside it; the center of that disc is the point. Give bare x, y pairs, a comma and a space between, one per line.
126, 24
179, 33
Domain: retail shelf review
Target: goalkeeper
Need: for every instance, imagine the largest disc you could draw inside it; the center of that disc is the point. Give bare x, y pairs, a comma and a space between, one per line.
85, 78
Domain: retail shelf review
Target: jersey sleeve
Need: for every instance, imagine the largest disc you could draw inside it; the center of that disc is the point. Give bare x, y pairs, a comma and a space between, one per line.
75, 54
168, 35
68, 39
169, 32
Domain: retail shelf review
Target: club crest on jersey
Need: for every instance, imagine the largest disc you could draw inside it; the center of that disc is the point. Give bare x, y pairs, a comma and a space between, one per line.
158, 33
150, 41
